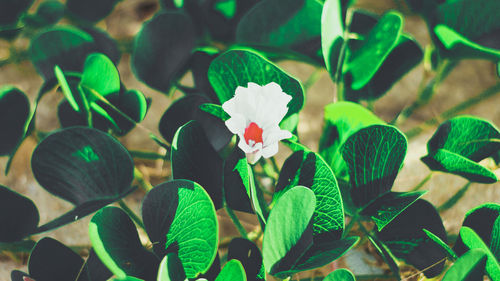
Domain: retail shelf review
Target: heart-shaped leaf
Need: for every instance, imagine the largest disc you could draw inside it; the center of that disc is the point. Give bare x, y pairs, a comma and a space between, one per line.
90, 11
180, 217
250, 257
469, 267
388, 206
232, 271
374, 155
406, 240
116, 242
160, 51
364, 62
459, 143
342, 119
19, 216
485, 221
66, 47
51, 260
171, 269
14, 115
310, 170
288, 24
472, 240
84, 166
340, 274
193, 158
237, 68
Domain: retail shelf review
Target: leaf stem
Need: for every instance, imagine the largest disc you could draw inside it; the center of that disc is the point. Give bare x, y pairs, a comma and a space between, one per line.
236, 222
454, 199
148, 155
422, 182
490, 92
131, 214
143, 183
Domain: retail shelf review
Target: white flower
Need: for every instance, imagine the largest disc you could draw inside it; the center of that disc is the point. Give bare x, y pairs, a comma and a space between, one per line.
256, 112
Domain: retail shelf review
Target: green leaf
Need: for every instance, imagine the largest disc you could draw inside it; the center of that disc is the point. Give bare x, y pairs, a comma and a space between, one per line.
449, 252
100, 75
237, 68
388, 206
342, 119
52, 260
374, 155
467, 28
226, 7
238, 181
15, 113
67, 47
48, 13
232, 271
310, 170
341, 274
90, 11
406, 240
65, 88
19, 216
472, 241
193, 158
364, 62
160, 51
180, 218
94, 268
485, 221
11, 10
469, 267
216, 110
332, 32
460, 142
115, 240
171, 269
84, 166
386, 254
288, 221
281, 23
250, 257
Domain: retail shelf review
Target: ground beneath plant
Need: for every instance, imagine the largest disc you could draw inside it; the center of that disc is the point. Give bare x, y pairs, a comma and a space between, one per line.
467, 80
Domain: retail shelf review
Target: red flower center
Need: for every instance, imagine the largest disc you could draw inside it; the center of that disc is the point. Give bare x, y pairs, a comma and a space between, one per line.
253, 133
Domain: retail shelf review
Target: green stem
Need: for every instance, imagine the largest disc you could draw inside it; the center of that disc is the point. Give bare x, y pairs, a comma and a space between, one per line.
423, 182
143, 183
275, 165
270, 171
454, 199
149, 155
236, 222
490, 92
131, 214
313, 78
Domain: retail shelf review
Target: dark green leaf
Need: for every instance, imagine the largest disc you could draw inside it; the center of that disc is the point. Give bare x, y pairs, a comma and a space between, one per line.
449, 252
14, 115
116, 241
160, 51
95, 269
388, 206
340, 274
19, 216
386, 254
171, 269
250, 257
374, 155
232, 271
90, 11
237, 68
17, 275
288, 232
364, 62
282, 23
460, 142
216, 110
180, 217
473, 241
342, 119
51, 260
199, 63
193, 158
104, 43
469, 267
11, 10
406, 240
310, 170
48, 13
238, 181
85, 167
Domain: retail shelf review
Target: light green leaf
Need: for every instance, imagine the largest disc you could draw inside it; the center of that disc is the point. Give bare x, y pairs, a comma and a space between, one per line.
450, 253
232, 271
341, 274
100, 75
171, 269
473, 241
331, 32
469, 267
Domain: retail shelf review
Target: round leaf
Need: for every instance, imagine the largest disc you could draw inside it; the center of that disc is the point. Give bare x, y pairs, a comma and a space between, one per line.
180, 217
84, 166
14, 114
100, 75
19, 216
116, 242
161, 51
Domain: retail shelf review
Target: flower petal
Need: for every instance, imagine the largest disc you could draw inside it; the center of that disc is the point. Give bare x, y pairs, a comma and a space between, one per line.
270, 150
236, 124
